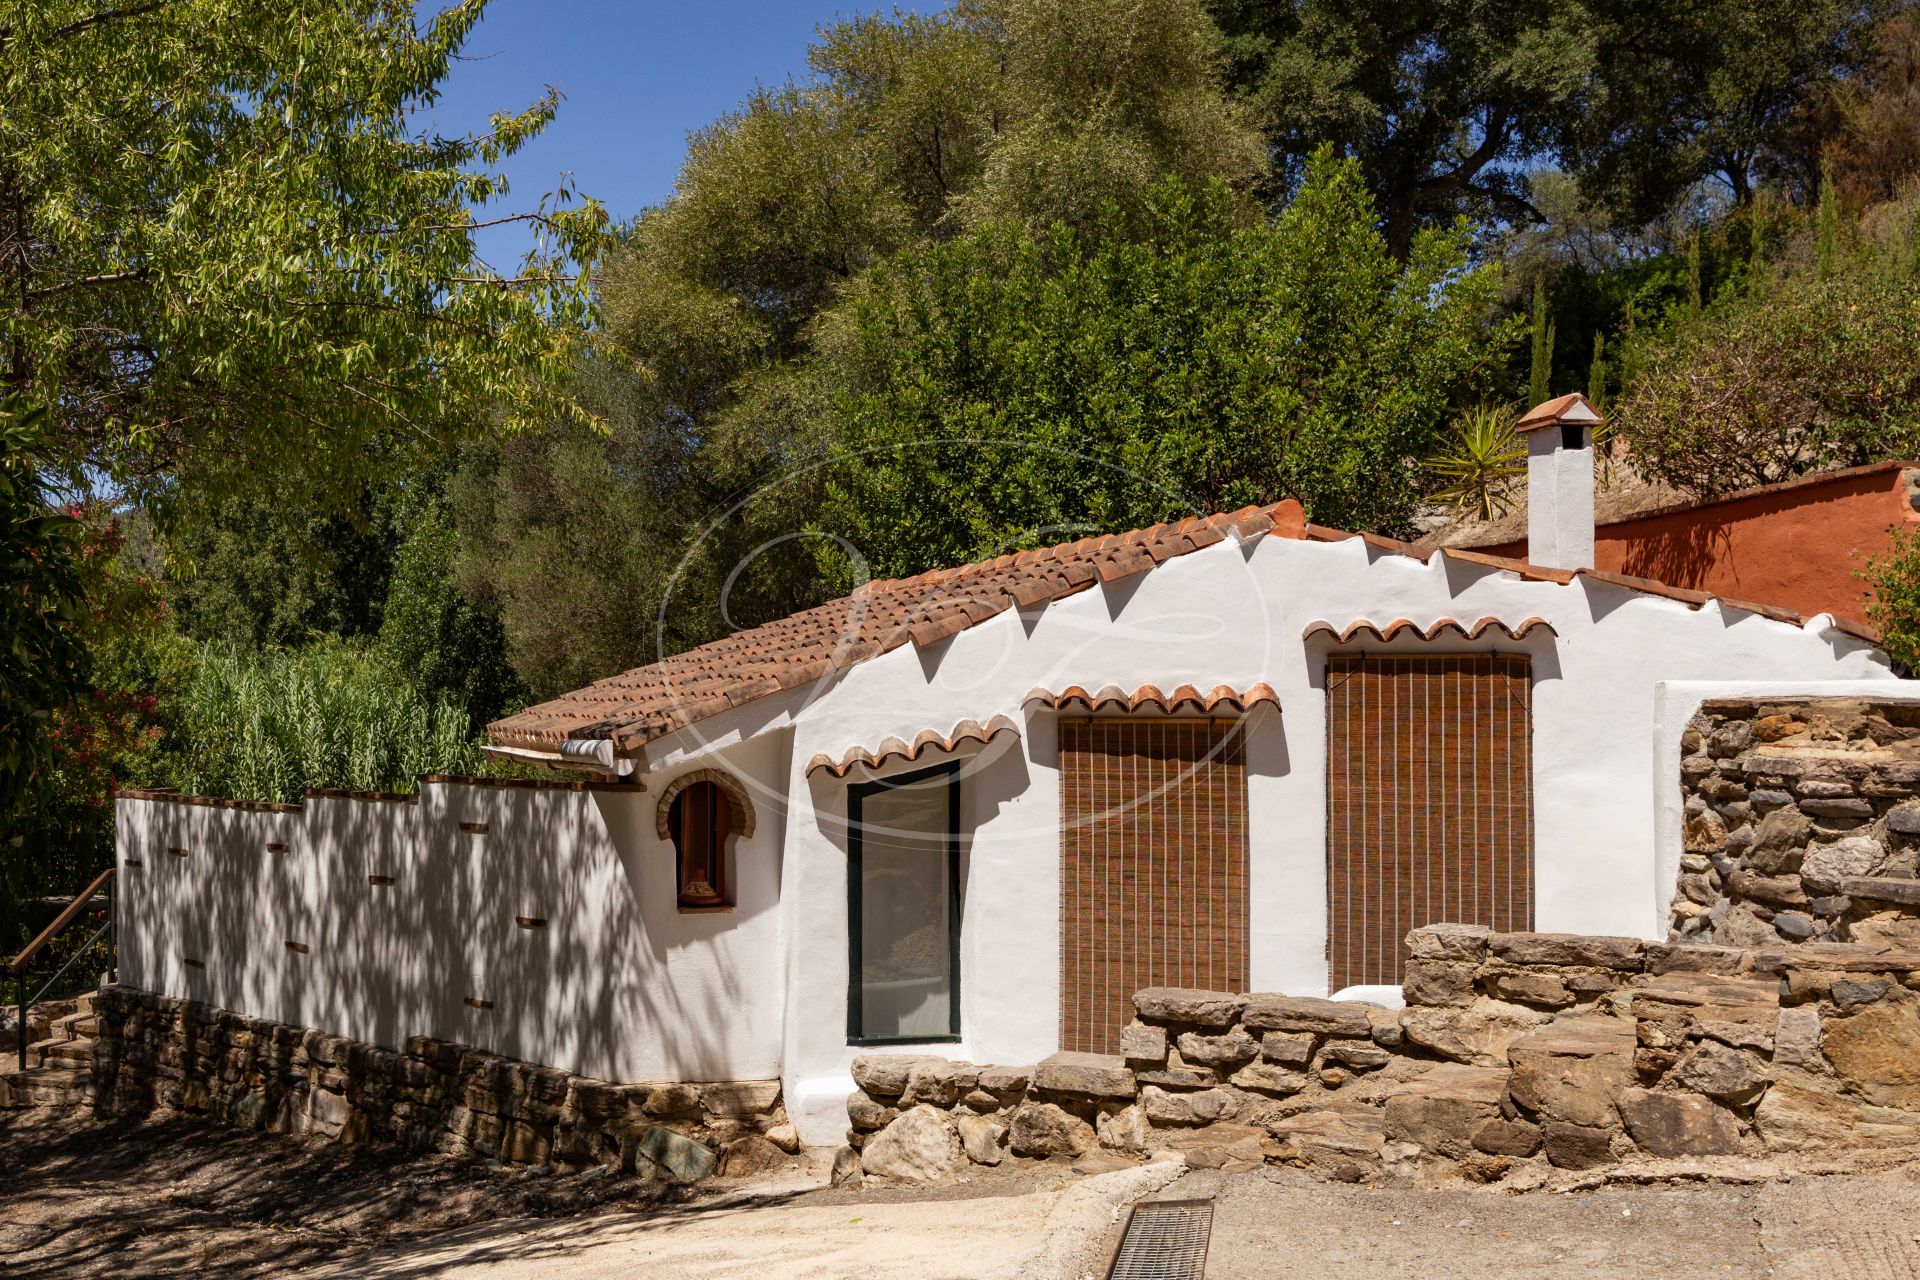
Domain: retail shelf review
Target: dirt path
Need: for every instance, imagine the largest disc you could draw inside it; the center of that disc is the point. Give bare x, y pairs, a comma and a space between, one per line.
81, 1200
1862, 1227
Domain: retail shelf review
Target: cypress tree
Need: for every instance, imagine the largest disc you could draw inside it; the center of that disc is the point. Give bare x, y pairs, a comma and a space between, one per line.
1540, 375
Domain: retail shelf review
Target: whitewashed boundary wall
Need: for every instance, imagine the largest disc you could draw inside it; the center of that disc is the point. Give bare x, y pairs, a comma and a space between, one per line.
537, 921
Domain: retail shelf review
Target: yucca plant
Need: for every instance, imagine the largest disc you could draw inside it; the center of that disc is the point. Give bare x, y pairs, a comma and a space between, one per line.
1482, 464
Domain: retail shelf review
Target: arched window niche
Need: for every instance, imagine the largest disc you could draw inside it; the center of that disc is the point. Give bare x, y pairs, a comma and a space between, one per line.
700, 813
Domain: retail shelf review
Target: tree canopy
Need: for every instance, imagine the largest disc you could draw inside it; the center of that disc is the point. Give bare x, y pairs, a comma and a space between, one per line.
228, 260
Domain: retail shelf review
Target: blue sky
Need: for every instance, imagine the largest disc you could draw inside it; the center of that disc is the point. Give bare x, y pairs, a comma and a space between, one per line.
638, 76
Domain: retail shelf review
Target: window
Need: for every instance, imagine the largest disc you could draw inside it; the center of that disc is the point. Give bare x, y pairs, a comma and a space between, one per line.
1153, 866
700, 822
903, 908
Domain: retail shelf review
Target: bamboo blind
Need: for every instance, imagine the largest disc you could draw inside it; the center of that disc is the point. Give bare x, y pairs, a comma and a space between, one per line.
1153, 866
1429, 803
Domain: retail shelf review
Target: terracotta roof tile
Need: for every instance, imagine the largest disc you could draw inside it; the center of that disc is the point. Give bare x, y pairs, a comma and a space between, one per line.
1185, 698
926, 741
638, 706
1363, 627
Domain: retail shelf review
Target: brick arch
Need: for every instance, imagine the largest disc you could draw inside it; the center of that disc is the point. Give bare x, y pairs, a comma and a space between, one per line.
739, 807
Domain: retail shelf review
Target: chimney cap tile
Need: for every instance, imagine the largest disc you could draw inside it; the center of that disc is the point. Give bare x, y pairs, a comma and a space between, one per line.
1572, 407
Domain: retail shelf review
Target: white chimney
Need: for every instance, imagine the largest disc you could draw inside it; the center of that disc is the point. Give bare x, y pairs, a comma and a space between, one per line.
1559, 436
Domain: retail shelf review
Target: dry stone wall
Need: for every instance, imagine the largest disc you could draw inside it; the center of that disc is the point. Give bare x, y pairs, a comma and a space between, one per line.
1514, 1051
158, 1051
1802, 823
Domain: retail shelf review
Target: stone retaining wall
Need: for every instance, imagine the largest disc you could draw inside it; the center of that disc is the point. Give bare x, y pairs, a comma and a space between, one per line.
1552, 1049
157, 1051
1803, 823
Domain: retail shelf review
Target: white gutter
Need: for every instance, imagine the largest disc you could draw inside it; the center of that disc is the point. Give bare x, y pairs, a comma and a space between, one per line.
595, 755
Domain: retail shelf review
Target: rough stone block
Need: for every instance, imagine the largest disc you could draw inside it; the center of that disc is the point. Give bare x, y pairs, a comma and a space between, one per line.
1289, 1048
1720, 1071
1143, 1044
1530, 986
1307, 1013
1825, 866
884, 1075
1440, 1112
1189, 1005
982, 1138
1124, 1130
658, 1148
1477, 1035
735, 1100
1234, 1047
938, 1081
1450, 942
1498, 1137
1902, 892
1573, 1070
1004, 1080
1179, 1078
866, 1113
1595, 952
1574, 1146
1679, 1124
1204, 1107
920, 1145
1093, 1075
1429, 982
1357, 1054
1877, 1052
1263, 1077
1043, 1129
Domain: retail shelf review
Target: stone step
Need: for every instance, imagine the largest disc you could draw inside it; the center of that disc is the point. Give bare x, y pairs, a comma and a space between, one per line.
78, 1050
74, 1026
45, 1087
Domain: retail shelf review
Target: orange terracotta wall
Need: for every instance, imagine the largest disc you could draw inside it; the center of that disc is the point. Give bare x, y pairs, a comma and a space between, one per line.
1798, 545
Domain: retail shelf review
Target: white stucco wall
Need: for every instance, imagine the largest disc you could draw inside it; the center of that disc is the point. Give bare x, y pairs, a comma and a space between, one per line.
1235, 615
618, 985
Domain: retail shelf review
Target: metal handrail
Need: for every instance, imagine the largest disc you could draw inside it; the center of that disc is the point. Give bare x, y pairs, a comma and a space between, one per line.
28, 1002
18, 965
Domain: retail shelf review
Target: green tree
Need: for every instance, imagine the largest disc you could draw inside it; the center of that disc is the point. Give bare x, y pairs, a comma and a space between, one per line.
227, 256
1540, 367
1442, 102
1709, 90
43, 610
1448, 104
449, 648
1004, 390
1799, 373
602, 550
249, 570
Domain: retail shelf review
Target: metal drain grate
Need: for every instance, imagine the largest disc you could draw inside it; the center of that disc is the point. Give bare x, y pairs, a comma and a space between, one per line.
1164, 1240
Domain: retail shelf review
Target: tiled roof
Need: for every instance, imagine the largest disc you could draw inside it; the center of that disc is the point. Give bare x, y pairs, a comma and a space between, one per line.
638, 706
1186, 698
1365, 627
649, 702
927, 740
1572, 407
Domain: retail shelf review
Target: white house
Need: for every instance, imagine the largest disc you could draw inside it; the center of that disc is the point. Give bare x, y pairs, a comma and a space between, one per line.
976, 809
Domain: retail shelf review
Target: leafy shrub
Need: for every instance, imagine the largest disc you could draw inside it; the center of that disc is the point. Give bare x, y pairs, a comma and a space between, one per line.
1817, 368
264, 726
1002, 390
1895, 603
